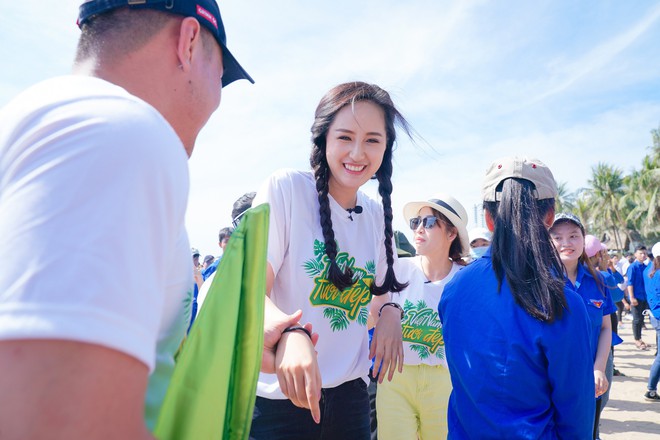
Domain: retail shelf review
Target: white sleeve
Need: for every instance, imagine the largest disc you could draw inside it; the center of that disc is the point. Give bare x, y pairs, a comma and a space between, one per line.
276, 191
92, 203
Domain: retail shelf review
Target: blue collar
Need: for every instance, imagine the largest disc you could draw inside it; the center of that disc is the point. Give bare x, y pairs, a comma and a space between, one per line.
581, 273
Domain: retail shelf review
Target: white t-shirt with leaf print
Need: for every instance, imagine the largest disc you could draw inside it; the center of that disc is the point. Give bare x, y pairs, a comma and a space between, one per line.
296, 253
423, 342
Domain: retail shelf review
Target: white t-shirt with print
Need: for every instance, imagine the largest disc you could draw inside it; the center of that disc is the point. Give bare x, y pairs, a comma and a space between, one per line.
422, 331
93, 194
296, 254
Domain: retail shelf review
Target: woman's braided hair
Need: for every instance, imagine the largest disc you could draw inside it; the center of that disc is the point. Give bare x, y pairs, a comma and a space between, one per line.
336, 99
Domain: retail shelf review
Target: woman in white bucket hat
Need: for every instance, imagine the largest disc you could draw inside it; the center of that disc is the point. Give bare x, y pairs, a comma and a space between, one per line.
414, 403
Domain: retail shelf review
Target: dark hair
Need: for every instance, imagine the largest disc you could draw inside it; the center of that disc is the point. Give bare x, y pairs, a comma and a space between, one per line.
600, 282
655, 267
523, 253
641, 247
225, 233
333, 101
456, 247
242, 204
124, 30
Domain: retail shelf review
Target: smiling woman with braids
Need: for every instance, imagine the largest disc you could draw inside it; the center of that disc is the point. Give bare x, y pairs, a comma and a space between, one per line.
330, 250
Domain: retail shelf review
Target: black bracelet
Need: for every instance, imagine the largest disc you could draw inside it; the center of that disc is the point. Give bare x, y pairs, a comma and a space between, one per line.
393, 304
298, 328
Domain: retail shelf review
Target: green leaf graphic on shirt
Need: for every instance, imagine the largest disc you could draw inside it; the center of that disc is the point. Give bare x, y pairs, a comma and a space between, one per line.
422, 329
422, 351
363, 316
313, 268
319, 250
338, 319
341, 307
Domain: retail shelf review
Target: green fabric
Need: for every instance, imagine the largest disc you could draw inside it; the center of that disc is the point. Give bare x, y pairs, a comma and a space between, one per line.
213, 388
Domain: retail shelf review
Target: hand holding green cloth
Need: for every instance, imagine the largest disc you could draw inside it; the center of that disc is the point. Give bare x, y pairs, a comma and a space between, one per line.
213, 387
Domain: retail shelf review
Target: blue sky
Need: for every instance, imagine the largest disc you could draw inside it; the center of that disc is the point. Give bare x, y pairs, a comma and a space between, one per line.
572, 83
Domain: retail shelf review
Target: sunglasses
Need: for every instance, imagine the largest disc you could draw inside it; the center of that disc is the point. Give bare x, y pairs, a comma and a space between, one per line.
428, 222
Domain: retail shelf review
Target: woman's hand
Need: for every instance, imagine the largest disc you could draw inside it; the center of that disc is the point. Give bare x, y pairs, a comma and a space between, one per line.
601, 382
387, 344
274, 325
298, 371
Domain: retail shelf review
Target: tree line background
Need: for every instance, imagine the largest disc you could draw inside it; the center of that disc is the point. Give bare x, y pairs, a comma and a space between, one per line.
622, 210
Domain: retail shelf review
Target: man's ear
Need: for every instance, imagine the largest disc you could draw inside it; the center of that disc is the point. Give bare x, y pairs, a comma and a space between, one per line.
190, 37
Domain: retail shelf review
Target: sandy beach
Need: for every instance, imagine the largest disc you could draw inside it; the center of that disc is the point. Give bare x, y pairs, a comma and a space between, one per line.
627, 414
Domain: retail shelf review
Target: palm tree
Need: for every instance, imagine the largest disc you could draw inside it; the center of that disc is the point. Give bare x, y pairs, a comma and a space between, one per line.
643, 193
605, 196
642, 198
565, 201
582, 208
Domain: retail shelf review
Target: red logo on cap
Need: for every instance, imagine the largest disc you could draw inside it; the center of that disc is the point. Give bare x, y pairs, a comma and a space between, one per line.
534, 165
206, 14
499, 166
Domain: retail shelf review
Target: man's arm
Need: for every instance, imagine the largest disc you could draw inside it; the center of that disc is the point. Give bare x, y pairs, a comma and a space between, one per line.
631, 290
59, 389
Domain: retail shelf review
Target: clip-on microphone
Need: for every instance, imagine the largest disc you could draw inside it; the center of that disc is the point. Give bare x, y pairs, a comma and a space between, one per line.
357, 210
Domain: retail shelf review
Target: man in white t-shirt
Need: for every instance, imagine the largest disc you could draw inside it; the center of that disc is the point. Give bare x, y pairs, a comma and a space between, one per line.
95, 165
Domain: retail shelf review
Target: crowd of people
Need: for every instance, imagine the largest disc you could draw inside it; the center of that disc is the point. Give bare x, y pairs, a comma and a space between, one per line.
498, 332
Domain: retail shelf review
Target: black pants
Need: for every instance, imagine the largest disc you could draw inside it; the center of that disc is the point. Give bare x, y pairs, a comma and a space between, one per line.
344, 415
599, 403
638, 317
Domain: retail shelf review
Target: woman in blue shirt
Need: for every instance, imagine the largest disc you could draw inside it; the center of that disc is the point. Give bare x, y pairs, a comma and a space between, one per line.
515, 335
652, 286
567, 235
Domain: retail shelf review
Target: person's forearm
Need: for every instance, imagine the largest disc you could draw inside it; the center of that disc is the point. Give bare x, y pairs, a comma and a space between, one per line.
603, 351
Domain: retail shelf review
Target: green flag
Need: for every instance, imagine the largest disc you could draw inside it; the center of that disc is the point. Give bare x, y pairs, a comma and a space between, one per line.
213, 387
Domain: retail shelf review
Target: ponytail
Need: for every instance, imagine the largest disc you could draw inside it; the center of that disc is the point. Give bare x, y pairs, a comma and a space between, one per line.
522, 251
593, 270
655, 267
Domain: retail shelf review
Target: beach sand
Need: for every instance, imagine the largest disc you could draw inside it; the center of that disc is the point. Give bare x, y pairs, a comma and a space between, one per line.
627, 414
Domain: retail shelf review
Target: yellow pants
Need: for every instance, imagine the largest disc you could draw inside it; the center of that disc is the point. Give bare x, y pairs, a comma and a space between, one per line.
414, 404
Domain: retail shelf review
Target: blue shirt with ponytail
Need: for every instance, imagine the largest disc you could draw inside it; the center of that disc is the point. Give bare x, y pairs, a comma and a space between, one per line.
514, 376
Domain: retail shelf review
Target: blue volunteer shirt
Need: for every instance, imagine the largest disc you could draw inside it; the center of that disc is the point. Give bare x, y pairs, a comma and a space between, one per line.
612, 281
211, 269
513, 376
597, 301
652, 288
635, 274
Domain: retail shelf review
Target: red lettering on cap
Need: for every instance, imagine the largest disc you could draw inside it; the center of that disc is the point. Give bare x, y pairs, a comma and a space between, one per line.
206, 14
499, 166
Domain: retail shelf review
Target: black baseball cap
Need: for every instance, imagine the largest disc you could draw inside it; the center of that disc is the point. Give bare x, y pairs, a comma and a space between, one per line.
567, 217
205, 11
